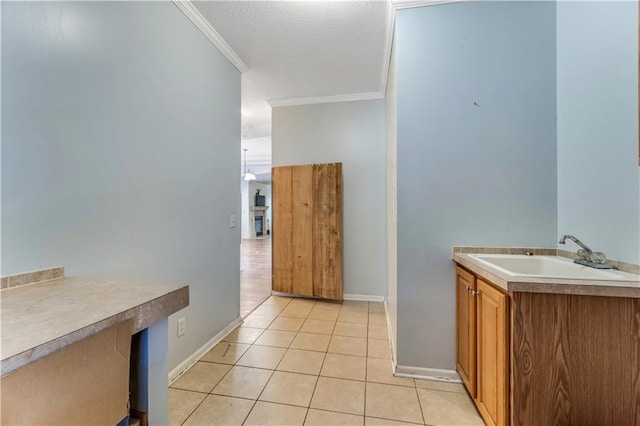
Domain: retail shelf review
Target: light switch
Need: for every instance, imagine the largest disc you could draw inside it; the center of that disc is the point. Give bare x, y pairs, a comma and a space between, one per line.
232, 221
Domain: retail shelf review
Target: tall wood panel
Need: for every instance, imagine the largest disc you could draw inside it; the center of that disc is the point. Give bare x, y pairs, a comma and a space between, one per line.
302, 230
282, 242
327, 230
307, 230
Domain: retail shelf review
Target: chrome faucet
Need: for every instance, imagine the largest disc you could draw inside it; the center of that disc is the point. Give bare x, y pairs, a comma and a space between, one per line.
587, 251
586, 256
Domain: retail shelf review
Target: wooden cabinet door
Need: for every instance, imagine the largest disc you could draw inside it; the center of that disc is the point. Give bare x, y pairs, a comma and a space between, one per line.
466, 329
307, 230
493, 362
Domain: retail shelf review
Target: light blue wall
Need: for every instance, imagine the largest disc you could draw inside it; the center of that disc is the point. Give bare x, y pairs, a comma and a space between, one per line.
120, 135
469, 175
598, 173
352, 133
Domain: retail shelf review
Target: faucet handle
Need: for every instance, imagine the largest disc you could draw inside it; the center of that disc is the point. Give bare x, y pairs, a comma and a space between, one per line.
598, 257
582, 254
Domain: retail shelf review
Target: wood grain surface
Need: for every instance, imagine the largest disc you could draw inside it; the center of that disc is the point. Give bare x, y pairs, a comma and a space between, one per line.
466, 329
302, 230
281, 232
307, 230
492, 307
327, 231
576, 360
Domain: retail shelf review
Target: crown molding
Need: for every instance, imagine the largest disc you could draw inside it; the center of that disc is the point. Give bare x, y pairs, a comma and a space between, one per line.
407, 4
210, 33
365, 96
388, 45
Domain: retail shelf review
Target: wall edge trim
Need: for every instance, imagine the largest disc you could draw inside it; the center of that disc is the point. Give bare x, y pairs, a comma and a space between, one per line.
392, 340
210, 33
388, 44
408, 4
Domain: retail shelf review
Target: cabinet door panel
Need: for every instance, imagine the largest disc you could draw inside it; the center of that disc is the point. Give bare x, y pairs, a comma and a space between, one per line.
281, 229
302, 227
466, 329
492, 374
307, 230
327, 231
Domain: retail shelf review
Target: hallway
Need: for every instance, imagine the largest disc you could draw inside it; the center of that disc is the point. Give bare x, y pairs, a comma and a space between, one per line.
255, 274
298, 361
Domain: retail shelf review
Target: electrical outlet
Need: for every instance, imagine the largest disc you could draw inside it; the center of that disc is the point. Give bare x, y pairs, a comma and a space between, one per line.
232, 221
181, 326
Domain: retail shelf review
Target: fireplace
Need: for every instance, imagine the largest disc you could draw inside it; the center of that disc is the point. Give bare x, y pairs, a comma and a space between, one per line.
258, 222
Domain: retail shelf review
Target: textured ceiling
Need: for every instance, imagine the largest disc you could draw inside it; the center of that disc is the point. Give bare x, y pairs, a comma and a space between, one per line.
300, 49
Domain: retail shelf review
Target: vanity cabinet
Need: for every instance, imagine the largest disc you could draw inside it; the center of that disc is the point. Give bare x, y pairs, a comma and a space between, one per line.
548, 354
482, 336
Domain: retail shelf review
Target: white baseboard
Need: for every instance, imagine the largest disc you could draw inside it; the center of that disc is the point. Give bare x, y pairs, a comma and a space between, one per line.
195, 357
362, 297
435, 374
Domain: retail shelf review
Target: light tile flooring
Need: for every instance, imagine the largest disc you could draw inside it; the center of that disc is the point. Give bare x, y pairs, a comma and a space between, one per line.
298, 361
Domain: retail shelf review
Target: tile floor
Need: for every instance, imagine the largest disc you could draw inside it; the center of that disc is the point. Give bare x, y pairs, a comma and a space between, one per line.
298, 361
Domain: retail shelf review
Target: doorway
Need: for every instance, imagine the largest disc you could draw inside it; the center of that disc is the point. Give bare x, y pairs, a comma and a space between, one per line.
255, 248
255, 276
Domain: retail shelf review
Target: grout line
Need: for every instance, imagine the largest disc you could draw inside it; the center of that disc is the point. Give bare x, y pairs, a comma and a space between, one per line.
317, 376
222, 378
441, 390
265, 386
366, 365
424, 420
249, 413
395, 420
298, 406
315, 387
189, 390
194, 410
301, 406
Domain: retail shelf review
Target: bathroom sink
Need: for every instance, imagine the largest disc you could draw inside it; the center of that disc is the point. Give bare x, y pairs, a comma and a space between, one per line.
548, 267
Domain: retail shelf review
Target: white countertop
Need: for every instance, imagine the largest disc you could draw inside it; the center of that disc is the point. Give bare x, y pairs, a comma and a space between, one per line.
528, 284
39, 319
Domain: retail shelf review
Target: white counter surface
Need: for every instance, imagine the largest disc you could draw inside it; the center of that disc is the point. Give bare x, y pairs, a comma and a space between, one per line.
528, 284
39, 319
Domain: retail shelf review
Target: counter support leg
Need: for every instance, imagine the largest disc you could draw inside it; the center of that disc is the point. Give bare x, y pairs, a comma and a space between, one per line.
149, 375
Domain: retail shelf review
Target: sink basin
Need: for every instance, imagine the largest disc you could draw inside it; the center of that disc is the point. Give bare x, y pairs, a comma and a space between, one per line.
549, 267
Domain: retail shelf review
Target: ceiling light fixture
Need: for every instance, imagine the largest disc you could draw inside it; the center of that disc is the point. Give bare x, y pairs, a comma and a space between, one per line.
247, 175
